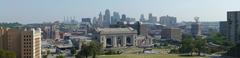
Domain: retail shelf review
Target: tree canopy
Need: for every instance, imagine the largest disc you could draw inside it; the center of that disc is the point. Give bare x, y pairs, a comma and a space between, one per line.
91, 49
7, 54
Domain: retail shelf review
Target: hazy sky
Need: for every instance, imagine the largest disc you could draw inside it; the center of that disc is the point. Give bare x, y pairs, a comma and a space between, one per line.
32, 11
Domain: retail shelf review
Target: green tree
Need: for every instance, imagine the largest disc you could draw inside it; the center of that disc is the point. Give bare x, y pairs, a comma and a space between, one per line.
2, 53
200, 45
60, 56
218, 39
191, 45
7, 54
91, 49
186, 45
73, 51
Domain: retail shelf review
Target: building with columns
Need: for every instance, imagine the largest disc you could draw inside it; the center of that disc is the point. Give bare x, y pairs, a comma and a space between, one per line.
116, 37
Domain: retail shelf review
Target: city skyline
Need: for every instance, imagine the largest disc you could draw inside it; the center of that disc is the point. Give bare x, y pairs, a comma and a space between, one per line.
45, 10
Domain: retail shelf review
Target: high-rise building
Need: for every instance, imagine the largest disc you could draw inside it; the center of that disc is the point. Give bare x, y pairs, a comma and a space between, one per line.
151, 18
87, 20
195, 27
168, 20
107, 18
124, 18
26, 43
115, 18
142, 19
95, 22
233, 20
223, 29
174, 34
100, 20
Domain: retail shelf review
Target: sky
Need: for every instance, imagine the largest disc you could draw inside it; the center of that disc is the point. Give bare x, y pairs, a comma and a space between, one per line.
37, 11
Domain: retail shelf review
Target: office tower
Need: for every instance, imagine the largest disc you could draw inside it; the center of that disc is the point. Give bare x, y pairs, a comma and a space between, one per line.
115, 18
174, 34
95, 22
168, 20
100, 20
223, 29
86, 20
142, 19
124, 18
233, 20
195, 27
107, 18
151, 18
26, 43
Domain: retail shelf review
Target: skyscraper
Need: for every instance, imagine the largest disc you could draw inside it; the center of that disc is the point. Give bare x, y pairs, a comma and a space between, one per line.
151, 18
223, 29
100, 20
95, 22
233, 20
124, 18
26, 43
115, 18
168, 20
107, 18
142, 19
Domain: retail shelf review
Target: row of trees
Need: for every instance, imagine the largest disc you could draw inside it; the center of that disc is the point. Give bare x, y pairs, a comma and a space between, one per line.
218, 39
193, 45
7, 54
213, 43
10, 25
91, 49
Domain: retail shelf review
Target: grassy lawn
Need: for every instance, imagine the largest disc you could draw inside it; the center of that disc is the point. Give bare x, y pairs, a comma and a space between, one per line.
144, 56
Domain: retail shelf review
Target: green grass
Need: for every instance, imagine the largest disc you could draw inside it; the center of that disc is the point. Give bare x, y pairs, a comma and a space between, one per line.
144, 56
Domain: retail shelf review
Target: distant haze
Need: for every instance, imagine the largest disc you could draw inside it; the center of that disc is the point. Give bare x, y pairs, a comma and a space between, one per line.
36, 11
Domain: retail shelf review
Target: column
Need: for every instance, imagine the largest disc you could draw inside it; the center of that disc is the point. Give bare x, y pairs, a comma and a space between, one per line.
124, 39
103, 41
114, 41
133, 40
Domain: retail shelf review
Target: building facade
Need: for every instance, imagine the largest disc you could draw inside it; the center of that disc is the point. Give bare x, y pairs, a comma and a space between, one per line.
233, 20
223, 29
107, 18
26, 43
142, 18
168, 20
174, 34
116, 37
115, 18
87, 20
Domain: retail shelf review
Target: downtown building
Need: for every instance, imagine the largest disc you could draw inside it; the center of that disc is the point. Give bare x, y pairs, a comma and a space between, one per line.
223, 28
233, 20
26, 43
107, 18
168, 20
151, 18
174, 34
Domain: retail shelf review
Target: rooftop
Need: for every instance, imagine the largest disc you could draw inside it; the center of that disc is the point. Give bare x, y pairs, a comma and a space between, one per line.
116, 30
